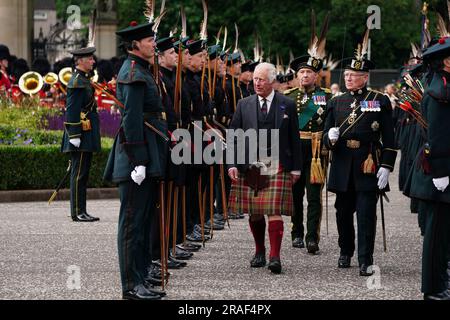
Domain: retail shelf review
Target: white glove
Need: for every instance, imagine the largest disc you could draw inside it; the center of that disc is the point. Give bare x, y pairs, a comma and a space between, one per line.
76, 142
383, 178
441, 183
138, 174
333, 134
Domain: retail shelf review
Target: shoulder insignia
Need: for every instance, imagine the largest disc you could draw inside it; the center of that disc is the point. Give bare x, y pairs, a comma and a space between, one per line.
76, 82
326, 90
289, 91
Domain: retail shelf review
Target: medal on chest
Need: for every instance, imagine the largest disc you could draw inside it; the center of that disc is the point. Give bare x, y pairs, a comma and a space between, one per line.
352, 116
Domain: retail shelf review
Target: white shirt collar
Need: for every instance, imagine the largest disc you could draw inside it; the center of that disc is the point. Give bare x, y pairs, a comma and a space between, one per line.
269, 97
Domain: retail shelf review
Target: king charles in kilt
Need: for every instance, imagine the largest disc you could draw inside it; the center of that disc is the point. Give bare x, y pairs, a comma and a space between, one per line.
266, 193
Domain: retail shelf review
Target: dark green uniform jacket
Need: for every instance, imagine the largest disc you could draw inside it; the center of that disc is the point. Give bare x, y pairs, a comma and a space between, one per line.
136, 144
436, 110
81, 99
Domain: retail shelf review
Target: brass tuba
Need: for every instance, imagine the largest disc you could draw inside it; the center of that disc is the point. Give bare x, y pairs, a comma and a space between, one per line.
64, 75
31, 82
51, 78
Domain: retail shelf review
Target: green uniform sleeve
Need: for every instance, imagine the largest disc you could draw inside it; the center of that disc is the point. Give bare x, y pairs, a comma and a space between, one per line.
133, 123
73, 109
388, 151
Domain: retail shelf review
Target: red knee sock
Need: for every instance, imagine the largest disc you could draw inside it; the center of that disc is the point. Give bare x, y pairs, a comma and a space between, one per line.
276, 236
258, 229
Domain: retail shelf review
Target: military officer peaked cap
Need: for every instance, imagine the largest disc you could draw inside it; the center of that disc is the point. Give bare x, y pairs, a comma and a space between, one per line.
136, 31
83, 52
307, 62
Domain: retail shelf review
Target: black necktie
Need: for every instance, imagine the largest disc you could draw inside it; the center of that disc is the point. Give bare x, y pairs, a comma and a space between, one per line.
264, 107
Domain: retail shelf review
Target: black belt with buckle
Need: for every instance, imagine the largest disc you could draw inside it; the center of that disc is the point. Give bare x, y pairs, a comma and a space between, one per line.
353, 144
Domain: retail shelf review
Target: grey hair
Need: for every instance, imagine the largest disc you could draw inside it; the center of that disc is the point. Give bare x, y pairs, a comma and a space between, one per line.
270, 68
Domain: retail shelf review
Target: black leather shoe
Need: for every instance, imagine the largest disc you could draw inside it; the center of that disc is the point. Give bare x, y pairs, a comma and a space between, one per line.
241, 215
216, 225
363, 270
344, 261
197, 237
233, 215
198, 229
82, 217
444, 295
219, 217
298, 243
181, 254
140, 293
258, 261
178, 264
448, 275
150, 287
312, 247
93, 218
275, 265
191, 247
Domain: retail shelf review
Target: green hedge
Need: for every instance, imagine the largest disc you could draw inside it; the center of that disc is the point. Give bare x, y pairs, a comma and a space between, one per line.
42, 167
10, 135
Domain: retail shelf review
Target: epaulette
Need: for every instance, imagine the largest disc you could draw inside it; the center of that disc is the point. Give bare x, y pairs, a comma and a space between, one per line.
289, 91
77, 82
326, 90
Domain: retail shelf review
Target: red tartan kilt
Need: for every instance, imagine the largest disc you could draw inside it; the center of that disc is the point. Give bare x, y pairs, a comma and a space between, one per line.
276, 199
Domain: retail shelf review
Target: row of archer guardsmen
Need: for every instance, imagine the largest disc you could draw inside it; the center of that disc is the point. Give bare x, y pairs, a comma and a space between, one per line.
205, 87
18, 80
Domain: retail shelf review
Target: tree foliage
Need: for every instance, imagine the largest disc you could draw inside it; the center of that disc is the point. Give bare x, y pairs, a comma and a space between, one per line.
285, 25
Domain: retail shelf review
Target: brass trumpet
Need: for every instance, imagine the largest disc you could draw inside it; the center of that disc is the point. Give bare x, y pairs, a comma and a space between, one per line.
64, 75
51, 78
31, 83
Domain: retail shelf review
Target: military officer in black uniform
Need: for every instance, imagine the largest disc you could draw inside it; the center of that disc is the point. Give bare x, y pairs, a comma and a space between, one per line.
429, 176
82, 131
356, 123
137, 160
311, 109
